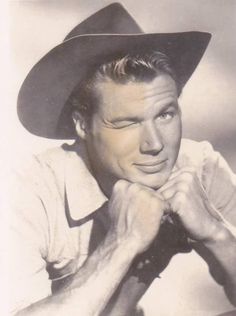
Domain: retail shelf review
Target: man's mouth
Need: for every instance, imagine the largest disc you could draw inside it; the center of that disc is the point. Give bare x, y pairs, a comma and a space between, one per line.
151, 166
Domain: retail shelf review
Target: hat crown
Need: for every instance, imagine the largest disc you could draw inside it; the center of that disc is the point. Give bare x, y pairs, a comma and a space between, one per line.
113, 19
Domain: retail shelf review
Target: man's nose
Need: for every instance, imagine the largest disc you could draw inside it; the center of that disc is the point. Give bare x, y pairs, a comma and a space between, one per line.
151, 139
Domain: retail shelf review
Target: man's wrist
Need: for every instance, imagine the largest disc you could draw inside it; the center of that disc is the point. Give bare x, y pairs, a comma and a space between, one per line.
123, 244
220, 236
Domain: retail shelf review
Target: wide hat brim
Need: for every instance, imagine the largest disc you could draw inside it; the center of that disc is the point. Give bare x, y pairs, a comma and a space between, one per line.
46, 89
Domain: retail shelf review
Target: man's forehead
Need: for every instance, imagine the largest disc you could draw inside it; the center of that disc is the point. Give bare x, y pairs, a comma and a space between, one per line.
119, 96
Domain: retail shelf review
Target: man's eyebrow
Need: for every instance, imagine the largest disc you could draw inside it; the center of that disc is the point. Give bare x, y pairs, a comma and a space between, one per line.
134, 118
173, 104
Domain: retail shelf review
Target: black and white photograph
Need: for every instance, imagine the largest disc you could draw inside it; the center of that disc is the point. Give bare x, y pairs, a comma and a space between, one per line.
119, 141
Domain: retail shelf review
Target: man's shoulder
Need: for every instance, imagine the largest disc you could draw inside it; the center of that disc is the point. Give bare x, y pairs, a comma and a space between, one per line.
42, 167
195, 153
52, 158
52, 155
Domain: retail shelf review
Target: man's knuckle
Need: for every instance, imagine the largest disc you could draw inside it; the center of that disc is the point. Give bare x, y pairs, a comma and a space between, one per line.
188, 178
183, 187
180, 198
120, 185
144, 195
155, 201
147, 192
134, 188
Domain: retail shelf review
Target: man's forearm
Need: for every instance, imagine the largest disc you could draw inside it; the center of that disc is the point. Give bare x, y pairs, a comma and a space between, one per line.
91, 287
131, 231
223, 248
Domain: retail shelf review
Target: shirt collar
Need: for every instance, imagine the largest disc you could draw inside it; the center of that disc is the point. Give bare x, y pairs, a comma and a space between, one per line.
83, 193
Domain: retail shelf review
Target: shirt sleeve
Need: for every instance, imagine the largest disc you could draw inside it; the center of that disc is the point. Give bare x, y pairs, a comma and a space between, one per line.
29, 280
220, 185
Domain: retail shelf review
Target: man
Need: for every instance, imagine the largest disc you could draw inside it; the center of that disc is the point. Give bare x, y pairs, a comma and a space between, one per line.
97, 221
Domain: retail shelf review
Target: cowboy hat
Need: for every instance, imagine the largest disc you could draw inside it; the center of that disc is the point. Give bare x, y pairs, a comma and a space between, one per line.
109, 33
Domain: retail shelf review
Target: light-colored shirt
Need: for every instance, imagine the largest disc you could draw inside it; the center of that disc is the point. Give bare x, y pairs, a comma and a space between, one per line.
52, 217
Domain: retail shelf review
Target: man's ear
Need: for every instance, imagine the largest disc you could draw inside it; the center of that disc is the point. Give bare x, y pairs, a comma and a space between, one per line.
80, 124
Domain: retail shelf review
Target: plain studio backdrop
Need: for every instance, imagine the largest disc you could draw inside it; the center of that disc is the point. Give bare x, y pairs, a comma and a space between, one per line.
208, 104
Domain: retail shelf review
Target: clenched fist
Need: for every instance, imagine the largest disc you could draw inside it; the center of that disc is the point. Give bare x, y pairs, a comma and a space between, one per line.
135, 213
188, 199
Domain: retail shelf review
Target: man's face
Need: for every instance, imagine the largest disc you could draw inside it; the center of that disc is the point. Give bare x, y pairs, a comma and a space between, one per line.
135, 133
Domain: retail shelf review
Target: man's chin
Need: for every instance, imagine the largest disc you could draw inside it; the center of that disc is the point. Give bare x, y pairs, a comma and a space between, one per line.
155, 181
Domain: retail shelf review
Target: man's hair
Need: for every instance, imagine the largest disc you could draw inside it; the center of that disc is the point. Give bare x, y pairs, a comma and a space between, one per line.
131, 68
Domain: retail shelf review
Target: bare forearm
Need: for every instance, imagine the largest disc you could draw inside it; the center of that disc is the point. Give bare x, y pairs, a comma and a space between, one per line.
131, 231
89, 290
223, 248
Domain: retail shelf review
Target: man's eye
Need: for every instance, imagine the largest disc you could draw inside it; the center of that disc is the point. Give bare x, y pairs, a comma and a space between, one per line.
165, 116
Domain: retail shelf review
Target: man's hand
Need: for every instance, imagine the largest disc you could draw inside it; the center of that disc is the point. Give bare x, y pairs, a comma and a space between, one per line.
135, 213
187, 198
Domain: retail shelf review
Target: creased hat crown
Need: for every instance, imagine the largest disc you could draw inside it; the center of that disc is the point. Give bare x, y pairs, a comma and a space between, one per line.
113, 19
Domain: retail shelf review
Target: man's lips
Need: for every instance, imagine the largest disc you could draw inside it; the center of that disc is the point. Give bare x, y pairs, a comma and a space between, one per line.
151, 166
